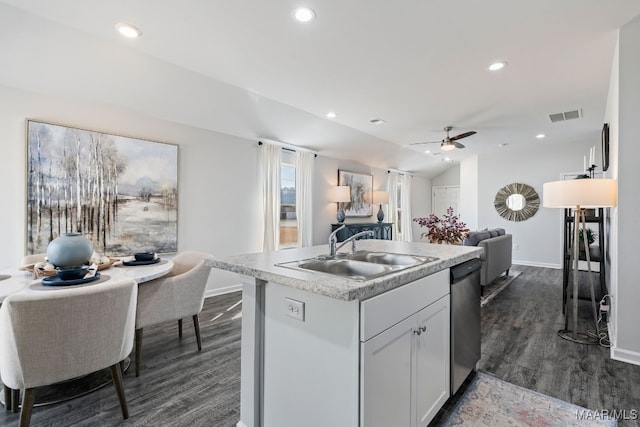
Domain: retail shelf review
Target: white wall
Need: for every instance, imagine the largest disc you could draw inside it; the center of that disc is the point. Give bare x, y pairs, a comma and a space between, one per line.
218, 201
625, 286
326, 176
468, 207
219, 209
449, 177
539, 239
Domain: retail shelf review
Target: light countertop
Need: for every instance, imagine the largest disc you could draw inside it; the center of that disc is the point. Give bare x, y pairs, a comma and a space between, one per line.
262, 266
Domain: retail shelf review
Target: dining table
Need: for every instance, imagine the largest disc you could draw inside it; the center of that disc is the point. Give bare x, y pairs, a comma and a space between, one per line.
14, 280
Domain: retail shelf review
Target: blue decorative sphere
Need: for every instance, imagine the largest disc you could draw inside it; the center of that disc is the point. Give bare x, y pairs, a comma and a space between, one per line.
69, 249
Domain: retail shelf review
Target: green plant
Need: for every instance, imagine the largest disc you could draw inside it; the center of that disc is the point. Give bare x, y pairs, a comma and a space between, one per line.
591, 237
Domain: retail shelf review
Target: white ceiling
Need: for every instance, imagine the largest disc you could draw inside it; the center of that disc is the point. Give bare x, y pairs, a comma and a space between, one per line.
246, 68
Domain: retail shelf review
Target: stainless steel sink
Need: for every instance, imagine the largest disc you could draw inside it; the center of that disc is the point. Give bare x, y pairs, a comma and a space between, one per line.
357, 270
362, 265
390, 258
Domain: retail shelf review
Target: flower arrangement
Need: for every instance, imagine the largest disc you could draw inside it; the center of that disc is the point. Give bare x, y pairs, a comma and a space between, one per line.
448, 229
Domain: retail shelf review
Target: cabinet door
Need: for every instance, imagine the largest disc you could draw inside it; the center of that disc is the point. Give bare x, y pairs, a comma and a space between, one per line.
432, 376
385, 377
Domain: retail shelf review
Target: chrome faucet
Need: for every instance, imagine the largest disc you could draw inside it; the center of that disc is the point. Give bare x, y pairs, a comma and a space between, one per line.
333, 240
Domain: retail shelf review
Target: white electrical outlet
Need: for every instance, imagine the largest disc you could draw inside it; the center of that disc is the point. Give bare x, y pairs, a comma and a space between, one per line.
294, 308
516, 247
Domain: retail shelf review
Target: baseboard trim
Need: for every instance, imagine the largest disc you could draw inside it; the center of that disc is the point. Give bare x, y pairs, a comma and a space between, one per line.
538, 264
627, 356
241, 424
221, 291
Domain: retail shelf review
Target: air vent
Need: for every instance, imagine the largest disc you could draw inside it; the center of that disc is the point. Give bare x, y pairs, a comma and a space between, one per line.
567, 115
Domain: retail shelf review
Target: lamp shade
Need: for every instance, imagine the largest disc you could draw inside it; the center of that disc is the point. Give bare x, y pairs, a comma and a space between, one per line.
586, 193
380, 197
340, 194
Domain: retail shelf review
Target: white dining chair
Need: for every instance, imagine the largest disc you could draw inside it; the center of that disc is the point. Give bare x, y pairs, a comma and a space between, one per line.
52, 335
176, 296
32, 259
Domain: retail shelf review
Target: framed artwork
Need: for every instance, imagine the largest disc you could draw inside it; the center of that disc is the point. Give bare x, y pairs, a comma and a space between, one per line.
120, 192
361, 189
605, 147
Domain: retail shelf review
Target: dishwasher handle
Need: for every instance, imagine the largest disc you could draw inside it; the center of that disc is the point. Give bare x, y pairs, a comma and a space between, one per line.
461, 271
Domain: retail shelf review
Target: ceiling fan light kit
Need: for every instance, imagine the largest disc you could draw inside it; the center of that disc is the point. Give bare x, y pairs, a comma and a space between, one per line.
447, 146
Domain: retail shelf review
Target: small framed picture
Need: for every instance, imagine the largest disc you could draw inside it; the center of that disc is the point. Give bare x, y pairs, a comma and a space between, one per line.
361, 189
605, 147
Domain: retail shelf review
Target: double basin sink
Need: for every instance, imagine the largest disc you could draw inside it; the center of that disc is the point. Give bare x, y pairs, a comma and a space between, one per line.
360, 265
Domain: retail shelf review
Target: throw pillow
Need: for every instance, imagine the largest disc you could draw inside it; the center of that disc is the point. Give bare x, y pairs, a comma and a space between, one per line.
475, 237
493, 232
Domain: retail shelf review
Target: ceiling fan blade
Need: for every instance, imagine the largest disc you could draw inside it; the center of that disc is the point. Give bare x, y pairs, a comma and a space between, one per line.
458, 145
463, 135
421, 143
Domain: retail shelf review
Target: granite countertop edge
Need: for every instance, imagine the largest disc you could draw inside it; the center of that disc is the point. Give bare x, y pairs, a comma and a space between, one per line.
262, 266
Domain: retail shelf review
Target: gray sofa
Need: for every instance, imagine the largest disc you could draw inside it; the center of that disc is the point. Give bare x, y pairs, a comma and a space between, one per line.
497, 253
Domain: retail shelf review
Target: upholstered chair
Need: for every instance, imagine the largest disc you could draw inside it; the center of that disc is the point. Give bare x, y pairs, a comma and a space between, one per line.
57, 334
176, 296
32, 259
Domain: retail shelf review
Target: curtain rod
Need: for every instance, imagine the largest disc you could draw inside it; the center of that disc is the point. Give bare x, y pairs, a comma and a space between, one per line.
288, 147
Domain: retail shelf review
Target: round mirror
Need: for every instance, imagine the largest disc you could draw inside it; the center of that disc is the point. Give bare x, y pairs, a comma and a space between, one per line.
517, 202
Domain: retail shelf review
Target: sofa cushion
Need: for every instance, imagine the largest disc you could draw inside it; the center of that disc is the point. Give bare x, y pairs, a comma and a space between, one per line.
475, 237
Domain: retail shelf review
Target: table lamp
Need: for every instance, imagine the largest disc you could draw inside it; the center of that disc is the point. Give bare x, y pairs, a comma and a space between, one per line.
380, 197
579, 194
340, 194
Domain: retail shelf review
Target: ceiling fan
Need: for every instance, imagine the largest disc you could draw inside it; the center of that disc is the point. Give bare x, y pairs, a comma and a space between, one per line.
449, 143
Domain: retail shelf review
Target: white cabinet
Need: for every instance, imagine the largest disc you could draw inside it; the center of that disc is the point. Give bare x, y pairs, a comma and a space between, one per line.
382, 362
405, 368
431, 357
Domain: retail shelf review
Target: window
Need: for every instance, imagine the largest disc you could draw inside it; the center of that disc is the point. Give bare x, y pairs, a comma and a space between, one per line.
399, 209
288, 218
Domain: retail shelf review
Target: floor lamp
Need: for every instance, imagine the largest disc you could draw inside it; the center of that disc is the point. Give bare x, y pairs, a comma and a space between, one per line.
579, 194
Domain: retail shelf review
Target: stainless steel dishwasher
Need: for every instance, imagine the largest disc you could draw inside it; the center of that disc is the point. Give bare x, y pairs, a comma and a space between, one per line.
465, 320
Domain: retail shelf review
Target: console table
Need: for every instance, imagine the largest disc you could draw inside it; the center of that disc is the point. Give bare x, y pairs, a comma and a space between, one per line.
381, 230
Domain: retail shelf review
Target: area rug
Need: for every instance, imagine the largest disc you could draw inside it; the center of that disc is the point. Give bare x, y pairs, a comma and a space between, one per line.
488, 401
497, 286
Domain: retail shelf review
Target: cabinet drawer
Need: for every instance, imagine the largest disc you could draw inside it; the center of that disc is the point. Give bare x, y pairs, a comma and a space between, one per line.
385, 310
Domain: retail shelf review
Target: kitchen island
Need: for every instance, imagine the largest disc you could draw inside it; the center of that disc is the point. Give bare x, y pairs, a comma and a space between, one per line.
324, 350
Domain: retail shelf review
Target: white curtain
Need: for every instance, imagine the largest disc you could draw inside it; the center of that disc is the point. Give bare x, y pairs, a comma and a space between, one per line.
304, 199
405, 205
269, 164
392, 188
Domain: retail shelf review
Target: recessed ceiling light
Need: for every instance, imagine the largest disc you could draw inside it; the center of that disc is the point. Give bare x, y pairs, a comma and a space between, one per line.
497, 66
304, 14
541, 136
331, 115
503, 144
428, 151
377, 121
128, 30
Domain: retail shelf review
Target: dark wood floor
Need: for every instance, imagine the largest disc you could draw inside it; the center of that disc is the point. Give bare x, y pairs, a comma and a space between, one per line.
180, 386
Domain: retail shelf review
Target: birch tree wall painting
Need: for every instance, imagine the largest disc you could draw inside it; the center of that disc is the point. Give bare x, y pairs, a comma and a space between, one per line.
120, 192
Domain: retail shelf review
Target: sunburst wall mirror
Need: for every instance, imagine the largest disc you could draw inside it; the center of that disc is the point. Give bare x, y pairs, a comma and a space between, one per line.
517, 202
